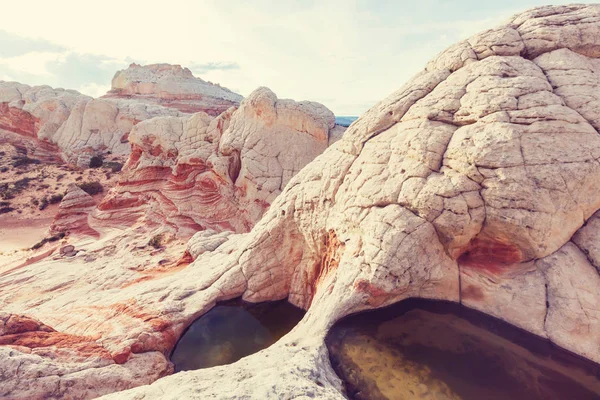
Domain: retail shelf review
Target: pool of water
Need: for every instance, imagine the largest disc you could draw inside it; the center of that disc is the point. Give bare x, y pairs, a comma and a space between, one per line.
421, 349
232, 330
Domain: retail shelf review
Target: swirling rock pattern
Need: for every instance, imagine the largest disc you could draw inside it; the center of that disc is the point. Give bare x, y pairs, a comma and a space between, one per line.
476, 182
195, 173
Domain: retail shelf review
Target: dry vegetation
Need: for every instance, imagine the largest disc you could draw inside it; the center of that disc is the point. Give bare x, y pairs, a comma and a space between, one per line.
29, 187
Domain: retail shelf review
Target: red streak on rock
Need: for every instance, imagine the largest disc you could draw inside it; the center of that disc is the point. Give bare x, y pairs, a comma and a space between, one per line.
121, 357
84, 345
161, 336
375, 295
115, 203
329, 262
16, 120
491, 255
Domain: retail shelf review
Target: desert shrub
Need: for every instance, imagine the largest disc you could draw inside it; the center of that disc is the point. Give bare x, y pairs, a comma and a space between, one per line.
4, 210
22, 184
113, 166
59, 177
20, 161
6, 193
3, 169
79, 178
156, 241
55, 198
43, 204
42, 242
35, 202
96, 162
9, 191
91, 188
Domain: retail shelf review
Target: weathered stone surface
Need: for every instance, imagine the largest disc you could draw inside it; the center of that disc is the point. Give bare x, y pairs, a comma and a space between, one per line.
472, 183
194, 173
73, 213
77, 125
172, 86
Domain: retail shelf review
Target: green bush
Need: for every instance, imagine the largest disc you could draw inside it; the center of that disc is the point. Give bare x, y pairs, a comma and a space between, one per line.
156, 241
43, 204
55, 198
24, 160
7, 192
42, 242
96, 162
113, 166
91, 188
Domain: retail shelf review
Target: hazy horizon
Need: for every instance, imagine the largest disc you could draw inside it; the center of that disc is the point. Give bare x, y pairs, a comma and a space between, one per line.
345, 54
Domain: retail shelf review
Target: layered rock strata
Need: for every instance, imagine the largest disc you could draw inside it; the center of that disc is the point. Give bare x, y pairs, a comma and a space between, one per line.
77, 126
476, 182
195, 173
172, 86
73, 212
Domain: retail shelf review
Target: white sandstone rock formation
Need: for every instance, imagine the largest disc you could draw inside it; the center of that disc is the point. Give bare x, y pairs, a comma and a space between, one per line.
76, 125
172, 86
472, 183
194, 173
79, 126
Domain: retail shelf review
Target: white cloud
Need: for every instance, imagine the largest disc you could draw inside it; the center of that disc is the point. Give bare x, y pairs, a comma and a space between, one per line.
93, 89
344, 53
33, 63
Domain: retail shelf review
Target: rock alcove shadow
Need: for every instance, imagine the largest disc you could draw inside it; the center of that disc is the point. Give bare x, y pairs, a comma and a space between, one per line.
232, 330
440, 350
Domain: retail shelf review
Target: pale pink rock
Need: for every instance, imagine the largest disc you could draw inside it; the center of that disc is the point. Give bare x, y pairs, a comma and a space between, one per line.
77, 126
472, 183
73, 212
172, 86
195, 173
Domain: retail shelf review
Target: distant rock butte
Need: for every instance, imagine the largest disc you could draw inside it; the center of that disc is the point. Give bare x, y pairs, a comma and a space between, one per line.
172, 86
476, 182
77, 126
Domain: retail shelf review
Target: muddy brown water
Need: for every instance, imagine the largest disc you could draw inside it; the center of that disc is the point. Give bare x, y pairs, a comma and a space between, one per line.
421, 349
232, 330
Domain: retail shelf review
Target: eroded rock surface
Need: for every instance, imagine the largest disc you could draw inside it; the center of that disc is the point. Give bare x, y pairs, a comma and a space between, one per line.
73, 213
195, 173
472, 183
172, 86
78, 126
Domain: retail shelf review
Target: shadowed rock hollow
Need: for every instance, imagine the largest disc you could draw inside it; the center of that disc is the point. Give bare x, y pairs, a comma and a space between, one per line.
476, 182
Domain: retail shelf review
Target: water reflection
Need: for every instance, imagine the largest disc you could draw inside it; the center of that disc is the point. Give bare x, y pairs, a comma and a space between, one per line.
421, 349
233, 330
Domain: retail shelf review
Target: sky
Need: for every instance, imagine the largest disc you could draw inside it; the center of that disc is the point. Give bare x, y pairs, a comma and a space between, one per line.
346, 54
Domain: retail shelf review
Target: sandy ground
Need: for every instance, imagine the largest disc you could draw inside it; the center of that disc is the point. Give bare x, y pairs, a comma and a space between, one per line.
20, 234
25, 188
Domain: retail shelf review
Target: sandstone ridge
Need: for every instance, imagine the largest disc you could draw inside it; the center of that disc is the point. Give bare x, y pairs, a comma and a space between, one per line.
172, 86
195, 172
76, 126
476, 182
